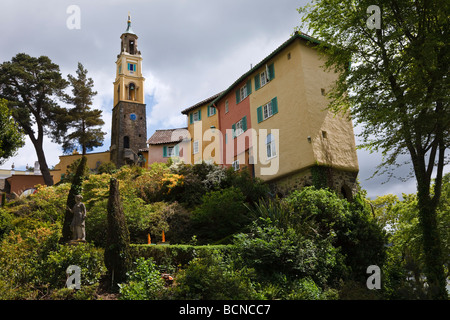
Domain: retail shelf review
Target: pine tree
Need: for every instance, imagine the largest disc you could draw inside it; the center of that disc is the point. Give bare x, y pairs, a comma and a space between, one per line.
117, 250
81, 118
30, 85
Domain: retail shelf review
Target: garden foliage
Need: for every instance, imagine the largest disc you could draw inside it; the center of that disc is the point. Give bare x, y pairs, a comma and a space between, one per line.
312, 244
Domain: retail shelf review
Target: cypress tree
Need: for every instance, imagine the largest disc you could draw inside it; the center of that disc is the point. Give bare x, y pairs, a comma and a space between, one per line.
75, 189
117, 250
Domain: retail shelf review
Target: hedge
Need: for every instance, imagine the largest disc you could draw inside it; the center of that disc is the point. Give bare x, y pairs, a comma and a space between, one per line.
175, 255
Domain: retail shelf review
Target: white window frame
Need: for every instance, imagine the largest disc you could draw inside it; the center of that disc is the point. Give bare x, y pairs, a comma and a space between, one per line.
212, 110
235, 165
195, 148
239, 128
271, 148
170, 151
195, 116
243, 92
267, 110
263, 79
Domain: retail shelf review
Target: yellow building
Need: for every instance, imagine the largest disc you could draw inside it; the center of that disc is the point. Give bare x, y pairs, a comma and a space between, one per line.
94, 160
295, 140
309, 135
204, 131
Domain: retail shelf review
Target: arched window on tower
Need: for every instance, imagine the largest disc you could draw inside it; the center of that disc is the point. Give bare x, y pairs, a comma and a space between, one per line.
132, 92
126, 142
131, 46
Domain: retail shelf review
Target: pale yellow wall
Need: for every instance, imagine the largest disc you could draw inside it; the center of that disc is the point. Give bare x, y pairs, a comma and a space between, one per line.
197, 132
339, 148
297, 86
65, 161
293, 149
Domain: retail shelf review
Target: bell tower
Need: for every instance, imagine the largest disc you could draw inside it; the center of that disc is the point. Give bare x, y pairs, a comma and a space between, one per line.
129, 125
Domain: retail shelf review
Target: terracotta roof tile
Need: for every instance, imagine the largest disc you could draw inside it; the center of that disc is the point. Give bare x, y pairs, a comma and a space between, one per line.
164, 136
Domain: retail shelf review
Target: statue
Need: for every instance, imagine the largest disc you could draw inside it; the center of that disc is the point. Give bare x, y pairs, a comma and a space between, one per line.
79, 216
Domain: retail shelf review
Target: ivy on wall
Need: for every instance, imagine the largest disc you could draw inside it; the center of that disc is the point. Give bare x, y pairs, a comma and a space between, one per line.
319, 177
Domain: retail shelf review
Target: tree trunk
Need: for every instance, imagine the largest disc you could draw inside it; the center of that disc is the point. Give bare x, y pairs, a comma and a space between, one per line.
434, 269
434, 263
42, 161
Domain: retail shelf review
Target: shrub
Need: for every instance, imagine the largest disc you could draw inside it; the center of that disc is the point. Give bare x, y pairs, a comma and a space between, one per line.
107, 167
148, 185
176, 255
211, 277
20, 259
358, 235
221, 214
272, 251
144, 282
253, 189
306, 289
90, 259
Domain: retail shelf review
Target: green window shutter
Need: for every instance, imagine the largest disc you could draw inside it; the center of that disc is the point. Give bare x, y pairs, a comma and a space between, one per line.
207, 111
238, 96
257, 82
259, 112
249, 87
271, 72
274, 105
199, 114
191, 118
244, 123
234, 129
165, 151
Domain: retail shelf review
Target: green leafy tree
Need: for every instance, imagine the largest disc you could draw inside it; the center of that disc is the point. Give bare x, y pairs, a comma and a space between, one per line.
406, 258
221, 214
144, 282
393, 79
81, 117
11, 136
30, 85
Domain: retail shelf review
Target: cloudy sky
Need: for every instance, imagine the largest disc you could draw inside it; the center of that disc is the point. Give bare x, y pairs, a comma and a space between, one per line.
191, 50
